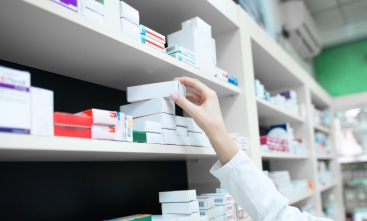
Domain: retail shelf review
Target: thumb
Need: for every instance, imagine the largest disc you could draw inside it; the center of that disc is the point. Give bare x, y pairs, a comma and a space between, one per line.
185, 104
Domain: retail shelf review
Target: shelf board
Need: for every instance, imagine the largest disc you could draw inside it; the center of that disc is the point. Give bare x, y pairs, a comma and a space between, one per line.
321, 128
324, 157
272, 155
72, 45
270, 114
326, 187
14, 147
221, 15
300, 198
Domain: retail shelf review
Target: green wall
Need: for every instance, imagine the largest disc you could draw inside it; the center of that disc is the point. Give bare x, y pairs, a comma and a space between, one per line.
343, 70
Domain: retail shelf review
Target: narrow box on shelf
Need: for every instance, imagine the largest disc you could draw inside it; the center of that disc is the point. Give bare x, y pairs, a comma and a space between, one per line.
15, 104
177, 196
73, 132
183, 141
205, 202
102, 117
180, 208
227, 217
129, 128
150, 42
149, 107
129, 29
112, 14
180, 50
184, 58
225, 209
149, 126
156, 90
221, 74
139, 217
169, 136
152, 34
96, 6
42, 112
129, 13
182, 131
167, 121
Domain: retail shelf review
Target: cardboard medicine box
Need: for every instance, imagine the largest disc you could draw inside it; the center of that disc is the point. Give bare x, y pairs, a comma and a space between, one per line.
144, 137
129, 128
129, 29
157, 90
220, 199
101, 132
149, 127
149, 107
70, 4
210, 213
180, 208
181, 121
102, 117
177, 196
182, 131
150, 42
192, 126
42, 112
205, 202
180, 50
169, 137
184, 58
94, 16
166, 120
183, 141
129, 13
152, 34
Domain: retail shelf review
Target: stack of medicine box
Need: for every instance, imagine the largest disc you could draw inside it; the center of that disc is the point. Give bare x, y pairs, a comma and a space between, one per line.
240, 141
152, 38
260, 90
153, 112
237, 211
180, 204
206, 207
92, 9
129, 21
182, 54
196, 36
223, 202
197, 136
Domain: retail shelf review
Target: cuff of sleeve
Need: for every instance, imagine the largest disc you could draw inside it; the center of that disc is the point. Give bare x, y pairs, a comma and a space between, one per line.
221, 172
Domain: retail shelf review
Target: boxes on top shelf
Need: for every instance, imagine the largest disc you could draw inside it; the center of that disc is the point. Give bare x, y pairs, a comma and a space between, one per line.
129, 29
205, 202
129, 13
102, 117
15, 113
180, 208
139, 217
148, 41
157, 90
166, 120
177, 196
42, 112
184, 58
221, 74
95, 5
232, 80
180, 50
152, 34
149, 107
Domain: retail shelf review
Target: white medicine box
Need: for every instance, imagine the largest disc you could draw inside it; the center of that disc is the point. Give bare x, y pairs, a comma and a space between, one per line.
166, 120
180, 208
177, 196
42, 112
149, 107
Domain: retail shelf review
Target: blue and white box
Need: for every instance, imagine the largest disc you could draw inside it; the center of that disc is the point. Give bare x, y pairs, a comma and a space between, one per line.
181, 50
15, 101
232, 80
184, 58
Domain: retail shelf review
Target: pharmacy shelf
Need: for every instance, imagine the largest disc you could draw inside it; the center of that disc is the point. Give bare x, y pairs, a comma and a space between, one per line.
270, 114
321, 128
221, 15
15, 147
325, 157
323, 188
300, 198
72, 45
283, 156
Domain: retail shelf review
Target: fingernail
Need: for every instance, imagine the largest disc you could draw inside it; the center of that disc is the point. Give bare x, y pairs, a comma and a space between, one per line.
174, 96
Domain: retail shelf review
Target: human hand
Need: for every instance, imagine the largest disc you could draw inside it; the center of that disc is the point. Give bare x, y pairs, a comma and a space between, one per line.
206, 112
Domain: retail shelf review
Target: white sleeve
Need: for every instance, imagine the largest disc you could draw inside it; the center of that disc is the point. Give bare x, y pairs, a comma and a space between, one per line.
255, 192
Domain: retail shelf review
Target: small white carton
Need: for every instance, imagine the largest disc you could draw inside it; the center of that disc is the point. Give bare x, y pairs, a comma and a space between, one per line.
167, 121
169, 136
204, 218
149, 107
180, 208
102, 117
112, 15
154, 138
184, 58
181, 50
182, 131
149, 126
152, 34
221, 74
150, 42
205, 202
226, 209
183, 141
192, 126
177, 196
15, 114
220, 199
184, 217
181, 121
198, 23
94, 16
129, 29
210, 213
116, 132
129, 13
129, 128
95, 6
157, 90
42, 112
197, 139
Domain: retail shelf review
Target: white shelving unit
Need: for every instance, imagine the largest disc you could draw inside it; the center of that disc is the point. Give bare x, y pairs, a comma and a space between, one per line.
47, 36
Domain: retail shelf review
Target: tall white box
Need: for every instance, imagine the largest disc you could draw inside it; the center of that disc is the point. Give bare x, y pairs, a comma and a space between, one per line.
157, 90
42, 112
15, 104
129, 13
169, 136
180, 208
167, 121
129, 128
129, 29
177, 196
149, 107
112, 14
204, 218
205, 202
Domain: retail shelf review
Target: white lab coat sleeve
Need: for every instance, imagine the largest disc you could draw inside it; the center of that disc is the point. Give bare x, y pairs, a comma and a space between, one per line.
255, 192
